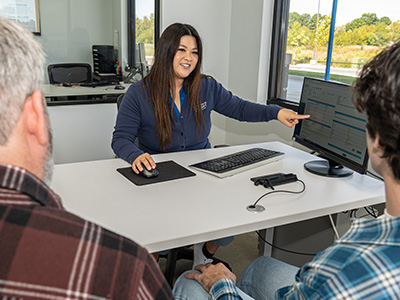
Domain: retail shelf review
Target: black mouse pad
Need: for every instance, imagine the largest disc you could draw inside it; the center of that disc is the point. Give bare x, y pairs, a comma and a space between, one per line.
168, 170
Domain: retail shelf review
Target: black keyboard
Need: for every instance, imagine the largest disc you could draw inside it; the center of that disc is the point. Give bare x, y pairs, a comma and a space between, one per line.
238, 162
98, 83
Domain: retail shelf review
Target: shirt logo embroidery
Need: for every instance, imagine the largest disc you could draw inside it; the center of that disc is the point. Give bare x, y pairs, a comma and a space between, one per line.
203, 105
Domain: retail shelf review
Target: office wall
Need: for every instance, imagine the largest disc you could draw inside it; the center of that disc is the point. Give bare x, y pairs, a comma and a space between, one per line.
212, 19
70, 28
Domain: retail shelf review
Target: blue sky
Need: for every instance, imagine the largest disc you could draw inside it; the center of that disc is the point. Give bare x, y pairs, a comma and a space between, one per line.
349, 10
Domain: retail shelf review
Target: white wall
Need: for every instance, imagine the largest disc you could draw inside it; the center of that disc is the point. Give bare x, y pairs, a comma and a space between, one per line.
212, 19
82, 132
69, 28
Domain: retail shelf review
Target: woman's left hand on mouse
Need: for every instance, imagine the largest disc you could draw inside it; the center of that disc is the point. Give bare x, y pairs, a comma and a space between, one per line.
144, 159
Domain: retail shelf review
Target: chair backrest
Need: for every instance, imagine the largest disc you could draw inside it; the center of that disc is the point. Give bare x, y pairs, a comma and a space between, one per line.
70, 73
119, 100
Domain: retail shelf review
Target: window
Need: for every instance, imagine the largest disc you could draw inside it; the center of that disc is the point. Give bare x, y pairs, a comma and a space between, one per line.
143, 33
304, 44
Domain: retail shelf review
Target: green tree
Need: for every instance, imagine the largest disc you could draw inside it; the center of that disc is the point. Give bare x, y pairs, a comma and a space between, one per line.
293, 17
298, 37
370, 19
145, 30
385, 20
313, 21
323, 31
303, 20
343, 37
394, 31
366, 19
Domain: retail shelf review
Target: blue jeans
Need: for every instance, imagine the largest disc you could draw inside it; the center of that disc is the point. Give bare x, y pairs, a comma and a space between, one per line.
260, 280
219, 242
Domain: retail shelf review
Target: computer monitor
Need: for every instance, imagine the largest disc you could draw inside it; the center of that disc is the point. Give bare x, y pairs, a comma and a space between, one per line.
141, 60
141, 54
140, 64
335, 130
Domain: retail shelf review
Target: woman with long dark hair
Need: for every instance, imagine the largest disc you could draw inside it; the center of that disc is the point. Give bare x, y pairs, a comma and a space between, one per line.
170, 109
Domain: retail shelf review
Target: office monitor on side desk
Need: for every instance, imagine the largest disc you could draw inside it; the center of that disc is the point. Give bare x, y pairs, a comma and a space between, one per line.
140, 64
335, 130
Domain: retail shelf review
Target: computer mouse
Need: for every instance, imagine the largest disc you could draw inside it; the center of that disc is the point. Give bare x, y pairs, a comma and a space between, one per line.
66, 84
119, 87
149, 174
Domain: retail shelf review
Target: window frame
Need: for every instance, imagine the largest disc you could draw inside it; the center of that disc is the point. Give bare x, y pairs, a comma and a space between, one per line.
277, 56
278, 52
132, 30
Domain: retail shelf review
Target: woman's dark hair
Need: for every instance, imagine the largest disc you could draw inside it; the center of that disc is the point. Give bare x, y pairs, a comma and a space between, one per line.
161, 80
377, 91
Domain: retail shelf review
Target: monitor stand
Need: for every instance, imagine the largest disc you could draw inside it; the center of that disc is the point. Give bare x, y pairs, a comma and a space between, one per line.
327, 168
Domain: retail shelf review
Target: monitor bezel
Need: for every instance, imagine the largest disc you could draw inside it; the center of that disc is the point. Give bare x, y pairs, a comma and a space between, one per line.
323, 152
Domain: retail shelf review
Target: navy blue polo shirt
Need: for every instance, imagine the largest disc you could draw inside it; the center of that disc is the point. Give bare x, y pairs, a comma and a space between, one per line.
136, 119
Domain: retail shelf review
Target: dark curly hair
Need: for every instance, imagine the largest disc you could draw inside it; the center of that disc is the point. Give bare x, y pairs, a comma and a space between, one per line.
377, 92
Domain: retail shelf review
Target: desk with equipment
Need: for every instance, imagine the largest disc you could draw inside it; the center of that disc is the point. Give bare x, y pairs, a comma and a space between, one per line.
189, 210
82, 127
99, 91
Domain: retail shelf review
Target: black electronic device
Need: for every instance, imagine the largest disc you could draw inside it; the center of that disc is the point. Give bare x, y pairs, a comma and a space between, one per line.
104, 60
237, 162
272, 180
104, 57
149, 173
99, 83
335, 130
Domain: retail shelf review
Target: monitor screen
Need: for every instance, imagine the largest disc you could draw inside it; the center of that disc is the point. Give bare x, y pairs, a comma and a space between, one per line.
141, 53
335, 130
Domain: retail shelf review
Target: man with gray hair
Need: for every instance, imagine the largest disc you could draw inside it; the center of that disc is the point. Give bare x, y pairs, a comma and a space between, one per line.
46, 252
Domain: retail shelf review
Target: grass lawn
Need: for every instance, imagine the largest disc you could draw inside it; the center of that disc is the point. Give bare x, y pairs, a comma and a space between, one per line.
340, 78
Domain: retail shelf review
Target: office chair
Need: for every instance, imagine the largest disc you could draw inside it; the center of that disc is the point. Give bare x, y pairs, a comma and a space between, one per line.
70, 73
119, 100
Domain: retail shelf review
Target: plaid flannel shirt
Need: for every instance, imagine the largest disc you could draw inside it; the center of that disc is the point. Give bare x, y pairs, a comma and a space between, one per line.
48, 253
363, 264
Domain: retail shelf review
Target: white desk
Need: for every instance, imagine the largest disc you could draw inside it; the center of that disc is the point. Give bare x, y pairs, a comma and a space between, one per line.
51, 90
190, 210
82, 128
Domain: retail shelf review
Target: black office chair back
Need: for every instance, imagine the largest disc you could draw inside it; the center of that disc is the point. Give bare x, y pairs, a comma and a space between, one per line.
119, 100
70, 73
